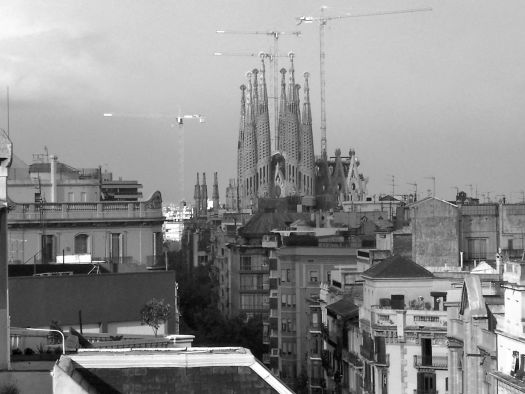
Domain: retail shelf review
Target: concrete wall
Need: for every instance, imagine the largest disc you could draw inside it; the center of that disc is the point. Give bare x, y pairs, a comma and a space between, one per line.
137, 241
103, 299
435, 233
28, 382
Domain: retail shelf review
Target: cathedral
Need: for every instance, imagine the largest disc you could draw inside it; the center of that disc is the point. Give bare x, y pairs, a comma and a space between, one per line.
290, 169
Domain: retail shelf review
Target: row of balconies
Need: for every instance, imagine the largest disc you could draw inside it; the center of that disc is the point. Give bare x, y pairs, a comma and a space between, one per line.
409, 318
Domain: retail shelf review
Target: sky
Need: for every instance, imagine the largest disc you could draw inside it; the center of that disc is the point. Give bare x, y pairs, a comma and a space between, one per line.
432, 94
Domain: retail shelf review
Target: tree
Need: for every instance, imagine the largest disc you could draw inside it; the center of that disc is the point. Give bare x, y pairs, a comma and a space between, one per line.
154, 313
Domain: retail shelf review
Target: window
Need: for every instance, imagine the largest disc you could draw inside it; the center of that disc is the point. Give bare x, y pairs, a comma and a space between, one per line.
426, 351
314, 276
246, 263
81, 244
157, 245
83, 196
48, 248
477, 248
71, 197
288, 300
426, 381
254, 301
285, 275
115, 248
397, 301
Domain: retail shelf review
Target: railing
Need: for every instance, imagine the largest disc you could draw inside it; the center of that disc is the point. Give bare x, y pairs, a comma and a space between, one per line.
436, 362
352, 358
85, 210
416, 391
418, 318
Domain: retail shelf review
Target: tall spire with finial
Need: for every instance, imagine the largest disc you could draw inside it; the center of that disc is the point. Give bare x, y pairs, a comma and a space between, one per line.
215, 193
197, 197
240, 142
249, 149
307, 163
264, 140
204, 195
282, 112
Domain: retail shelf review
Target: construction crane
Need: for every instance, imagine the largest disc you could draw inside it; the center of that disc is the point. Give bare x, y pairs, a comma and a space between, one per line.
323, 20
180, 118
275, 57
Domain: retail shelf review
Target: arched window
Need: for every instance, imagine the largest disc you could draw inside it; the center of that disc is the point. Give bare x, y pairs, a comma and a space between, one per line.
81, 244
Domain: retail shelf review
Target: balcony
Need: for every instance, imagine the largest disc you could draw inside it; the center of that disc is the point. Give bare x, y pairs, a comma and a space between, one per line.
266, 358
426, 319
352, 358
314, 328
425, 391
78, 211
269, 241
383, 317
379, 359
434, 362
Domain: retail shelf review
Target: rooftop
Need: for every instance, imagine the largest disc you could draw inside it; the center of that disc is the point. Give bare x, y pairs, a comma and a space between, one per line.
397, 267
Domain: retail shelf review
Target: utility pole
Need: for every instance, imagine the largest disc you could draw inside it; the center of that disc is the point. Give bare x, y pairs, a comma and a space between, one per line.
323, 20
275, 57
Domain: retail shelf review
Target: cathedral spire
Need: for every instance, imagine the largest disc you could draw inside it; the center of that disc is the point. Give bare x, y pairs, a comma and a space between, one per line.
307, 110
197, 197
292, 95
264, 91
204, 195
215, 193
255, 95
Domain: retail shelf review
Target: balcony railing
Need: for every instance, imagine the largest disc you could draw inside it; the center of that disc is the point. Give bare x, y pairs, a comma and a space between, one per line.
416, 391
352, 358
384, 316
380, 359
85, 210
434, 362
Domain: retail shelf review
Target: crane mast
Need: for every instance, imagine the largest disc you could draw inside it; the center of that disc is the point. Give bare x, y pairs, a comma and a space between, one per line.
180, 118
323, 20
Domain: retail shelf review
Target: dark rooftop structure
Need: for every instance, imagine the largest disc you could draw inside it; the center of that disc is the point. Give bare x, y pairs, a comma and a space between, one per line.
173, 370
397, 267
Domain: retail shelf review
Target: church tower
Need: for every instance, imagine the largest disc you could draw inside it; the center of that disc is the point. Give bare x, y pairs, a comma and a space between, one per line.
197, 198
262, 131
307, 163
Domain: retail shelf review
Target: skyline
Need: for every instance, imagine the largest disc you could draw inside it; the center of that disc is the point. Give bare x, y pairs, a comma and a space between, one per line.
436, 94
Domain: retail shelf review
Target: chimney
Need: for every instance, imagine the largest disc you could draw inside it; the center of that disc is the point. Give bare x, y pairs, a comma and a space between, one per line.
54, 186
